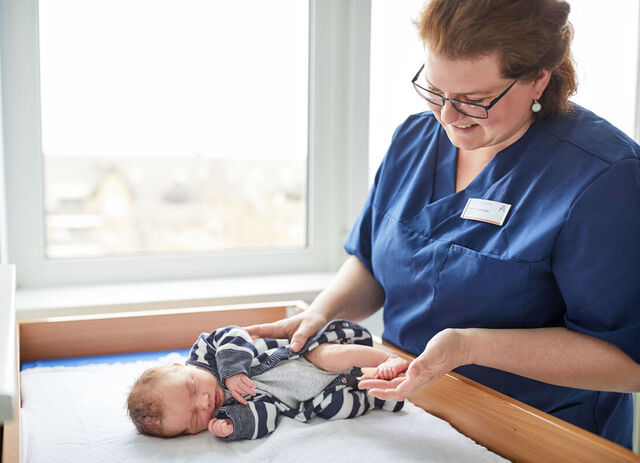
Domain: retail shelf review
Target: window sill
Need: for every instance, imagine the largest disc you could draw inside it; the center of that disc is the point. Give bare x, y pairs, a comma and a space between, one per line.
84, 300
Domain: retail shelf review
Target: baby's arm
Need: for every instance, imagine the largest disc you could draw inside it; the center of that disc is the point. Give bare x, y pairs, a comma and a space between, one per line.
252, 421
340, 357
234, 352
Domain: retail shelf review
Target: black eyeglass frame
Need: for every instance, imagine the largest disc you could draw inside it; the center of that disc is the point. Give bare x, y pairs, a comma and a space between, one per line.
453, 101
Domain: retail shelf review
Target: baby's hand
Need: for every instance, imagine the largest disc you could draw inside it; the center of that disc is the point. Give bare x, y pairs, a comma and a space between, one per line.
240, 385
220, 428
391, 368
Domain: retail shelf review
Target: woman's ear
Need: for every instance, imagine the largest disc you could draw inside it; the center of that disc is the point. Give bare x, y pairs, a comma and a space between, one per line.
540, 83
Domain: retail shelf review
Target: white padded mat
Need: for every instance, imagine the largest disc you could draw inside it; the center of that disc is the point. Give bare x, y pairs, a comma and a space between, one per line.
78, 414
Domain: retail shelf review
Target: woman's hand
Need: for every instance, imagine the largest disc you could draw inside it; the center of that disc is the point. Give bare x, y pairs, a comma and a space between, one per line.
299, 328
444, 352
220, 428
240, 385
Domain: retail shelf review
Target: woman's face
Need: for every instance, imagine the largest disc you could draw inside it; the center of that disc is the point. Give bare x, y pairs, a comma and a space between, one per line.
479, 81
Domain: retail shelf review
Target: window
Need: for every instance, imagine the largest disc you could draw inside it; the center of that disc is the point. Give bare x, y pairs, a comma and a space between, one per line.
605, 48
396, 52
172, 139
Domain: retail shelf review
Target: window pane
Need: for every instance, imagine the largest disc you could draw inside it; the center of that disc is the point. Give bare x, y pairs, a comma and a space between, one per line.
396, 55
173, 125
605, 48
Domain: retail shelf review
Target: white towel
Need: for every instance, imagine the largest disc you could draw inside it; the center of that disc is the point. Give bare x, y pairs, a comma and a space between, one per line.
78, 414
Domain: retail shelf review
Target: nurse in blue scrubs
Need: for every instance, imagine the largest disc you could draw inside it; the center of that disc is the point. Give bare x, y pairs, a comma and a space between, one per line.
502, 233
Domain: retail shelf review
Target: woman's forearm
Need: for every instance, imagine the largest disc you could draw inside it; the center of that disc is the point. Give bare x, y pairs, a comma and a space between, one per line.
353, 293
554, 355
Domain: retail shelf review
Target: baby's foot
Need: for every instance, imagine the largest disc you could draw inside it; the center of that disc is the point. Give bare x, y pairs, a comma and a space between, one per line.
391, 368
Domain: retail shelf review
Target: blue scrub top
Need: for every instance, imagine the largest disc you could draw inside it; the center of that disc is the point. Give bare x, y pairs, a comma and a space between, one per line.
568, 253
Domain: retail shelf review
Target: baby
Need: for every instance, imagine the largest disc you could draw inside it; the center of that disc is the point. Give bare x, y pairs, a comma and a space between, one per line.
236, 386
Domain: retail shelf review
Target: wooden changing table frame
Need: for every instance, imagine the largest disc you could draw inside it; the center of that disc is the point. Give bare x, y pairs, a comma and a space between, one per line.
504, 425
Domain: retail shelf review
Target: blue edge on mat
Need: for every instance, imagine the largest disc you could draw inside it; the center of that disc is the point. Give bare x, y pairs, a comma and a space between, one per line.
122, 358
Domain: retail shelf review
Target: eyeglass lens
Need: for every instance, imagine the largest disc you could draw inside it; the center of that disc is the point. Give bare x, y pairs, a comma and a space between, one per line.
467, 109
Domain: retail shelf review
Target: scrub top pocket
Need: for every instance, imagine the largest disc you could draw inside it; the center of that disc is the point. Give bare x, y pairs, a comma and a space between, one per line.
481, 290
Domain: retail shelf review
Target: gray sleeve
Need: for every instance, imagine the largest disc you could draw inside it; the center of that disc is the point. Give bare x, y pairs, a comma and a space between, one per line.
232, 362
251, 421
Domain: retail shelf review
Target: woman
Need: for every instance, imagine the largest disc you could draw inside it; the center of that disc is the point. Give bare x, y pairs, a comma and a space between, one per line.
502, 233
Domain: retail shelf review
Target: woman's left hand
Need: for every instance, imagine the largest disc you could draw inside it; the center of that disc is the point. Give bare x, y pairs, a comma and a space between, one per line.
444, 352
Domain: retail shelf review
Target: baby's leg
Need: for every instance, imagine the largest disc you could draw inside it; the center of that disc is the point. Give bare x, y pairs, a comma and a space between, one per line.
340, 357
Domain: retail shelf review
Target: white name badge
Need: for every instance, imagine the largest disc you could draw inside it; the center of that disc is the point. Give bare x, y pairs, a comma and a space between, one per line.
485, 211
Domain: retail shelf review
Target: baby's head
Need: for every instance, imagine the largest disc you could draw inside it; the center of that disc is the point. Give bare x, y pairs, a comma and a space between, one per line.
171, 400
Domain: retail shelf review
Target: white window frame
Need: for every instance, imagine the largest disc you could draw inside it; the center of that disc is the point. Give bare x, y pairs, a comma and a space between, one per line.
337, 179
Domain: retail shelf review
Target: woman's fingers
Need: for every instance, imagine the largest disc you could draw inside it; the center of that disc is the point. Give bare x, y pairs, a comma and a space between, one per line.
310, 323
420, 372
280, 329
380, 383
302, 334
396, 389
299, 328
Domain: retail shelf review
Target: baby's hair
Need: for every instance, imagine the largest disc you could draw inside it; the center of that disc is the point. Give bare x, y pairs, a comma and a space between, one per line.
144, 405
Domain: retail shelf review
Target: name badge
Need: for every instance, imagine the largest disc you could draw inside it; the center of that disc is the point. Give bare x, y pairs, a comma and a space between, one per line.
485, 211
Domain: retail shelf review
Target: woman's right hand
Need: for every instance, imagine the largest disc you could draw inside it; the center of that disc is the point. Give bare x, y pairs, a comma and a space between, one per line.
299, 328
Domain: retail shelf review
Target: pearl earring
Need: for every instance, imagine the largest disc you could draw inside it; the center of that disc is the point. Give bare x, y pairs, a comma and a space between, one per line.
536, 106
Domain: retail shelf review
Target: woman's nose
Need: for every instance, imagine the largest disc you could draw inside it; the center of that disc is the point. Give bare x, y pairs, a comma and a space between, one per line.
448, 113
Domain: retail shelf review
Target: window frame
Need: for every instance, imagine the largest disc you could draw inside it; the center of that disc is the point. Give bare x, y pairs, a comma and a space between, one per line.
337, 160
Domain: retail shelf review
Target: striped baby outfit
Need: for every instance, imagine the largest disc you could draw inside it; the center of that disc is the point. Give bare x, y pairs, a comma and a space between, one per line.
229, 351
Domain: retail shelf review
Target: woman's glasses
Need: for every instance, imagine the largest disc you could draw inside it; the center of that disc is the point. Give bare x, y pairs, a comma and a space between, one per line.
477, 111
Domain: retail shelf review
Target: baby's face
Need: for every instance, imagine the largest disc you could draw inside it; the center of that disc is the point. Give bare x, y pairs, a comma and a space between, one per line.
190, 396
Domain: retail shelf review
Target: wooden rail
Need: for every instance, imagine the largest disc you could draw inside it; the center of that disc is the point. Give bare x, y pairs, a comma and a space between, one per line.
504, 425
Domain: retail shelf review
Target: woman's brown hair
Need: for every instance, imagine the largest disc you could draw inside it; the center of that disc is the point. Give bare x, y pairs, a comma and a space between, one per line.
528, 35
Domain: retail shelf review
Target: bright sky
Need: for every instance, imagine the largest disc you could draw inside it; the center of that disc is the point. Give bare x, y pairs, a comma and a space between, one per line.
175, 77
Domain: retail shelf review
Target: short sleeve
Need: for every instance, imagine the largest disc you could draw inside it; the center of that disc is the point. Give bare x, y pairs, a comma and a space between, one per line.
358, 242
596, 259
